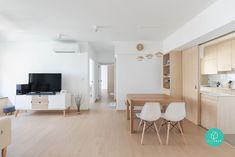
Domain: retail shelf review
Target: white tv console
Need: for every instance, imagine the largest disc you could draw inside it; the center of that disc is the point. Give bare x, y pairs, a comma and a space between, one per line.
59, 101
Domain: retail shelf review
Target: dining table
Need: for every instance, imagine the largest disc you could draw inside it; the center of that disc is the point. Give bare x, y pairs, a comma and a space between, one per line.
133, 100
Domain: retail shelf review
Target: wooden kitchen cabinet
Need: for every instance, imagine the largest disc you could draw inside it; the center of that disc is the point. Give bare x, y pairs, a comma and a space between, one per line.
233, 54
219, 57
209, 61
224, 56
208, 111
190, 83
208, 66
210, 52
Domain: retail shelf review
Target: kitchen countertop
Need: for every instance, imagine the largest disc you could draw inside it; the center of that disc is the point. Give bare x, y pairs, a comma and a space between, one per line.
217, 92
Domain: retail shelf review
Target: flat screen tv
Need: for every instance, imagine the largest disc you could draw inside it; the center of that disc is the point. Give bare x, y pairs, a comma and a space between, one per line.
45, 82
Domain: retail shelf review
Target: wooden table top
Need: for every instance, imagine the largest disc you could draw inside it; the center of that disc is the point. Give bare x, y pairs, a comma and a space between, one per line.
140, 99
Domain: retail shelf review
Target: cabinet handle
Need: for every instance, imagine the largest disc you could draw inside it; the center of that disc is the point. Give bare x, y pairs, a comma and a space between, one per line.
1, 132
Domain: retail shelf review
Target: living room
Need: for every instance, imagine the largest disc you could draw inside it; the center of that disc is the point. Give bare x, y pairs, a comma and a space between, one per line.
170, 90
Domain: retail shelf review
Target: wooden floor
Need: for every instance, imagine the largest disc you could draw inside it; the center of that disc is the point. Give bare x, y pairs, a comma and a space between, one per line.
101, 132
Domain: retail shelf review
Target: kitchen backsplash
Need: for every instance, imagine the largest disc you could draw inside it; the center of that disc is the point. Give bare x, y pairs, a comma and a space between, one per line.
222, 78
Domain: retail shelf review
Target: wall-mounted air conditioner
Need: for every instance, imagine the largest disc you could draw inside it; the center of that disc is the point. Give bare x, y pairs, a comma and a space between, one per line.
66, 47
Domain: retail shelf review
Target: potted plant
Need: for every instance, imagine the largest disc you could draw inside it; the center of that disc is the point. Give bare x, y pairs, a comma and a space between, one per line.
78, 100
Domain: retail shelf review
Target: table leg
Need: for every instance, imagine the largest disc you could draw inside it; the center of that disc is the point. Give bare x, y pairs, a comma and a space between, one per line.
132, 120
4, 152
127, 110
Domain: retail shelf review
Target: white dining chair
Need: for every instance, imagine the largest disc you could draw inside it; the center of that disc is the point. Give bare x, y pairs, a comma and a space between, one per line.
149, 114
175, 113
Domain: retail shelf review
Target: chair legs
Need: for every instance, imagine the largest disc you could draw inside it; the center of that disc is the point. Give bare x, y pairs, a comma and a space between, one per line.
141, 121
169, 124
142, 138
168, 131
159, 138
144, 128
162, 121
181, 131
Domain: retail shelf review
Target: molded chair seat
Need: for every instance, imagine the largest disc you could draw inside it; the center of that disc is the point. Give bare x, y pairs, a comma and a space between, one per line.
175, 113
151, 112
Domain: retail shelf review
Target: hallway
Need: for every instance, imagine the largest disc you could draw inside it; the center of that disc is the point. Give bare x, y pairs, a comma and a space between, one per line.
106, 101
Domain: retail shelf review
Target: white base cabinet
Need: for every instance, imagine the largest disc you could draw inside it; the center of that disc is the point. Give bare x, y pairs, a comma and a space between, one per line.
218, 112
209, 111
43, 102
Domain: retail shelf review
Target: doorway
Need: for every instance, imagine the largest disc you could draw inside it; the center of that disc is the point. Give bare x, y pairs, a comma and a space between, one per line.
106, 82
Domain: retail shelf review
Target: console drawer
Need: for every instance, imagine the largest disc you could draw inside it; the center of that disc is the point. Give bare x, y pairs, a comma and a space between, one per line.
39, 106
40, 99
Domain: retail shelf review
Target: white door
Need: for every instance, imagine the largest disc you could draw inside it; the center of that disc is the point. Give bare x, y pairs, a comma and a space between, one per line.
103, 79
99, 82
92, 80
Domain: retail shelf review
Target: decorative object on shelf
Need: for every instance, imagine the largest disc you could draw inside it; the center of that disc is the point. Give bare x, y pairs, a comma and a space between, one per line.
140, 47
140, 58
149, 56
159, 54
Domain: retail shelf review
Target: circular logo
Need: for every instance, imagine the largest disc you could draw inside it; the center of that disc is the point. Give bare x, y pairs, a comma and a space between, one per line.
214, 137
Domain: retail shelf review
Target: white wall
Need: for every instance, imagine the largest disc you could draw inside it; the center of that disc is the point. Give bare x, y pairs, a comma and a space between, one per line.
20, 58
216, 20
129, 47
134, 76
92, 90
95, 73
105, 57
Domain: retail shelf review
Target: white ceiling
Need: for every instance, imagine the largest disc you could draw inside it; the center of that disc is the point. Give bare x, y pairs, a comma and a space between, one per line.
119, 20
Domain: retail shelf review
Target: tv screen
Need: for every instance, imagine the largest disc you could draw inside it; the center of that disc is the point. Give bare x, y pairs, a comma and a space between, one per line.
45, 82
